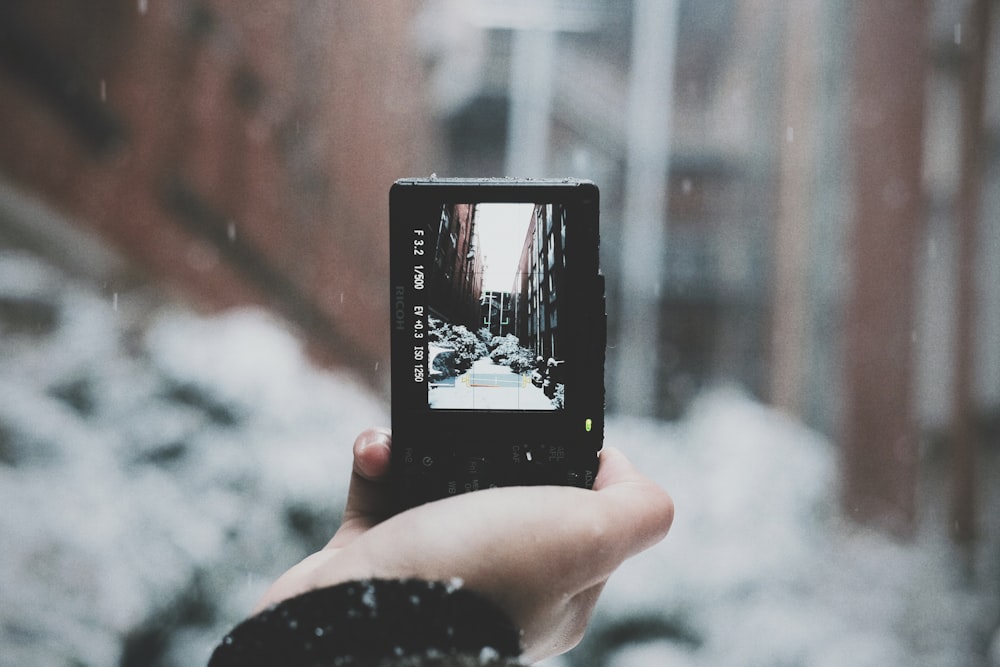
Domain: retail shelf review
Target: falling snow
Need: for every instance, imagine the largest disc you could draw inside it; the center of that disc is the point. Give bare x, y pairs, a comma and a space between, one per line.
151, 464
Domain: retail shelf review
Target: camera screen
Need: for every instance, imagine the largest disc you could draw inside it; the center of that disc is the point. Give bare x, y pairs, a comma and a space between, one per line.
495, 274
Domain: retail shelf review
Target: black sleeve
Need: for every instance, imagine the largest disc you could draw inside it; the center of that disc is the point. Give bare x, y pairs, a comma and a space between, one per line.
364, 622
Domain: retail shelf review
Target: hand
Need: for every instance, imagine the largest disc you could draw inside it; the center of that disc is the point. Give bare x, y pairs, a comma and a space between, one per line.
542, 553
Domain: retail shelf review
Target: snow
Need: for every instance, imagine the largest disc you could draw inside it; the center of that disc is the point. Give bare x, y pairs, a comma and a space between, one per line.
759, 569
154, 466
488, 386
158, 468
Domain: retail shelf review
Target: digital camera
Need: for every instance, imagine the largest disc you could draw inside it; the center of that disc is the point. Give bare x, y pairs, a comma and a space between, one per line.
498, 335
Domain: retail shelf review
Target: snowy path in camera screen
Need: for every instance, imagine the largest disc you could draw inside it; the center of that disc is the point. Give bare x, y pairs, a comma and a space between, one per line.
488, 386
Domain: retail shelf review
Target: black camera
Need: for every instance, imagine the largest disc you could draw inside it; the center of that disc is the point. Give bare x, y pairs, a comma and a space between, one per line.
498, 335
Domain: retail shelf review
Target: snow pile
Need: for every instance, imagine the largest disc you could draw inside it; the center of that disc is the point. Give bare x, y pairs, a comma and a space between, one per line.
155, 472
759, 570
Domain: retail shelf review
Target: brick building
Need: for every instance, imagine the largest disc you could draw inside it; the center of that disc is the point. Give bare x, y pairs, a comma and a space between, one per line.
498, 312
456, 280
231, 151
536, 289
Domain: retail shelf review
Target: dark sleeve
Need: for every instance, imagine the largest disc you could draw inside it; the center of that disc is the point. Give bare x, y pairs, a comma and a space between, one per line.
364, 622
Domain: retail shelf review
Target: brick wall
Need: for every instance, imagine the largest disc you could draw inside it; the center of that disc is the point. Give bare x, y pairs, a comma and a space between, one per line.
238, 152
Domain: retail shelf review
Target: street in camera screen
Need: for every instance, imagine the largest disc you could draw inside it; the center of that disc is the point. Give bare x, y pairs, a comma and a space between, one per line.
493, 336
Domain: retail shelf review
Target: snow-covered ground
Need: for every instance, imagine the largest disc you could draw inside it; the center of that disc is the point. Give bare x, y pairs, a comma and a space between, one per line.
158, 468
488, 386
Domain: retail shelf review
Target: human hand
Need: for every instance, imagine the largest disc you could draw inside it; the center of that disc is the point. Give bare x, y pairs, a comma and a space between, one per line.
541, 553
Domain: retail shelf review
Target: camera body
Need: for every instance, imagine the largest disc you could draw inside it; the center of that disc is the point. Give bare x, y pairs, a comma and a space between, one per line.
498, 335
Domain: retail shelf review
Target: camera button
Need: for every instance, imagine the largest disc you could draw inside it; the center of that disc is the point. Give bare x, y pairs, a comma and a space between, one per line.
479, 473
519, 454
428, 463
476, 466
534, 454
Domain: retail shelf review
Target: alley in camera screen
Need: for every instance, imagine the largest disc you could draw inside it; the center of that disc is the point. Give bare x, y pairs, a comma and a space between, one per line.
493, 298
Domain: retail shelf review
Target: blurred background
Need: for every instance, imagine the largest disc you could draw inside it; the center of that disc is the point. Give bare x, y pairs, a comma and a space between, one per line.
801, 237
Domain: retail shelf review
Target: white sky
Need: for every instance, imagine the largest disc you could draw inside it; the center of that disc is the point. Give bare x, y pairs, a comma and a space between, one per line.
501, 229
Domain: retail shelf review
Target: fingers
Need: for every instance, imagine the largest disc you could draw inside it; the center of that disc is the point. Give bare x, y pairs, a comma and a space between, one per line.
615, 468
645, 511
542, 537
542, 553
367, 497
371, 453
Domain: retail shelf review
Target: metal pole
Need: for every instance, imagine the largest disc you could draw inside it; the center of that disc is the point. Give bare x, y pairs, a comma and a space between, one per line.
532, 63
963, 432
880, 428
644, 221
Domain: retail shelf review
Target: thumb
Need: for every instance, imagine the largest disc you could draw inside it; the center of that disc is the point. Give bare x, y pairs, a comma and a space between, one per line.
367, 496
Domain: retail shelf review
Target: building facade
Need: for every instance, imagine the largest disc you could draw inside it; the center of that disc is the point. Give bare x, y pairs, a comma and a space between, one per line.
537, 287
236, 155
455, 283
497, 309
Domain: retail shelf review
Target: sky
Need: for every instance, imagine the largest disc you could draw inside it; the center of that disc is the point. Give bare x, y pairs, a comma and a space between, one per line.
501, 229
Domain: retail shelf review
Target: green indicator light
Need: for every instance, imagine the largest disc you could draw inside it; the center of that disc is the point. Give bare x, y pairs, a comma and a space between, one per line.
588, 424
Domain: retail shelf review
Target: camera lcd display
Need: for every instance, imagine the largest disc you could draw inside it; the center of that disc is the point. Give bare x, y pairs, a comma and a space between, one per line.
495, 273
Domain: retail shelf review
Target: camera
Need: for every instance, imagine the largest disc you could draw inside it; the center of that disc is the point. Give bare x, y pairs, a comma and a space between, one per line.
498, 335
